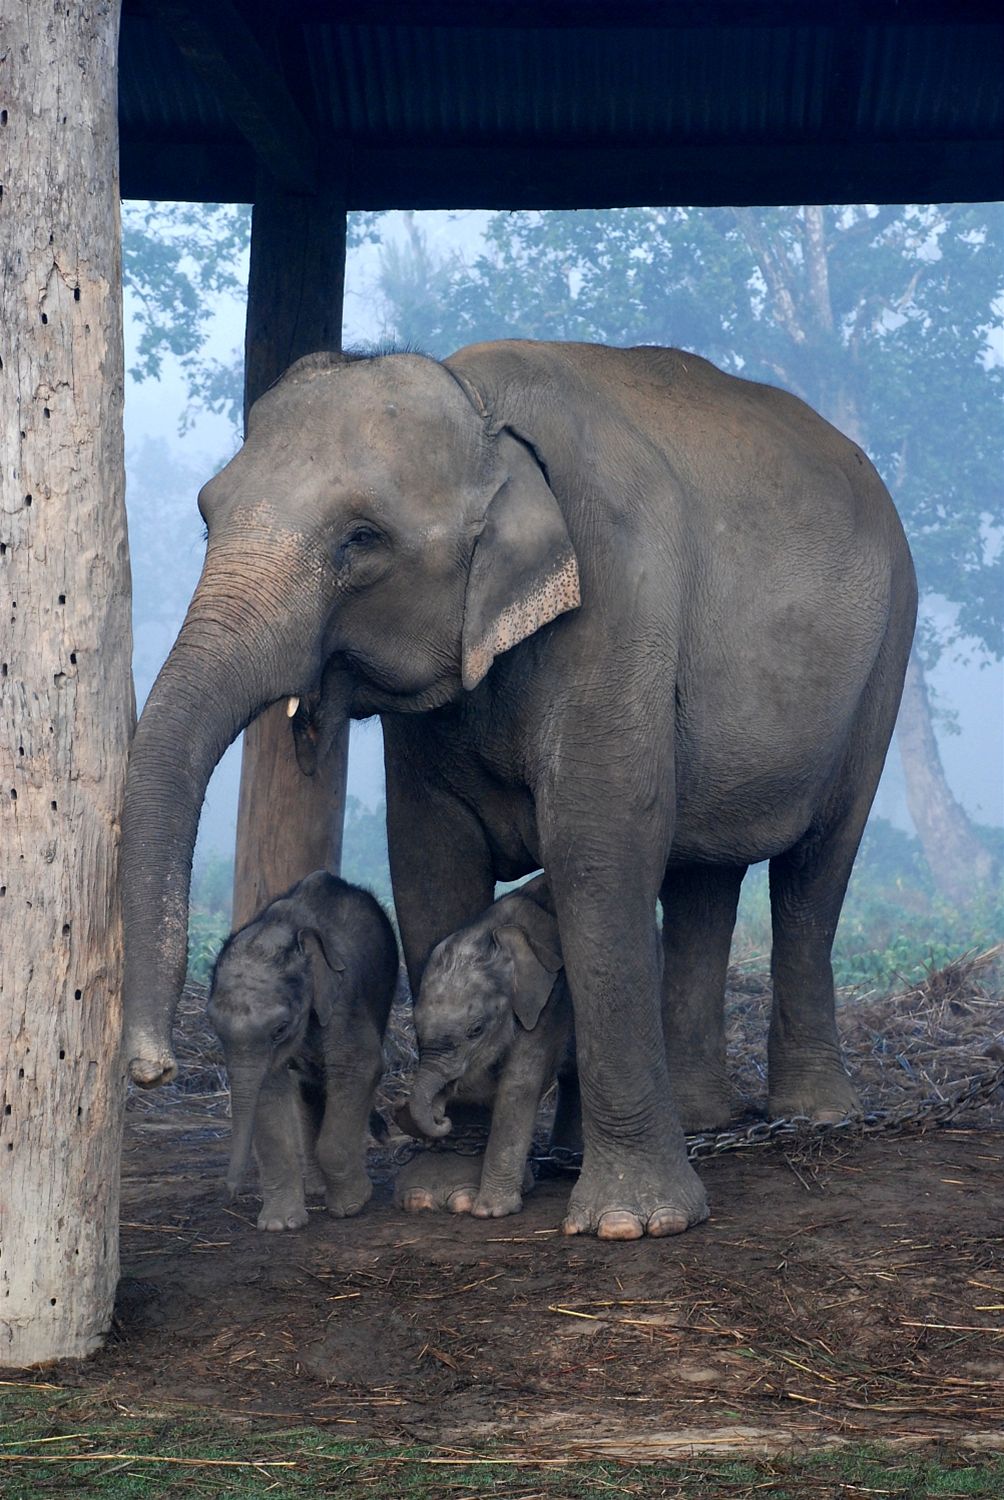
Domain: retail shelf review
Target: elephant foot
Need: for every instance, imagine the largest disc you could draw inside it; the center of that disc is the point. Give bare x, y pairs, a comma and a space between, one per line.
824, 1094
278, 1214
623, 1200
438, 1181
346, 1196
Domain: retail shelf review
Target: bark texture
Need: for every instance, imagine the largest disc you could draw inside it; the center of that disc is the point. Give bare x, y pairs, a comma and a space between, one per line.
288, 824
66, 701
960, 863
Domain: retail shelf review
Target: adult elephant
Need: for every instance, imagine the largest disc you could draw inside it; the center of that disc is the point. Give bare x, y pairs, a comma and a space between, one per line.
623, 616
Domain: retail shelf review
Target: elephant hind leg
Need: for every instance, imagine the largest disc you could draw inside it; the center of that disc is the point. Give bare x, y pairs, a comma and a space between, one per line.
806, 1073
699, 912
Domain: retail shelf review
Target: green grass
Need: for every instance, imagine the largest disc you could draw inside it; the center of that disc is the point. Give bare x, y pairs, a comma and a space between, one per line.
62, 1442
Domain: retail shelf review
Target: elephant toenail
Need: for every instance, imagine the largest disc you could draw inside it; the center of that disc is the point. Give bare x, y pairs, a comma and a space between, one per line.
618, 1224
667, 1221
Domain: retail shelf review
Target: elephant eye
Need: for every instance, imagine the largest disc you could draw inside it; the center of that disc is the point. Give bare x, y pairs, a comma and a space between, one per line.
475, 1030
279, 1033
361, 536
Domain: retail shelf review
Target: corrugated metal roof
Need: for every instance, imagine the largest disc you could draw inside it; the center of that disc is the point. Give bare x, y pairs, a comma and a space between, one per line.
776, 102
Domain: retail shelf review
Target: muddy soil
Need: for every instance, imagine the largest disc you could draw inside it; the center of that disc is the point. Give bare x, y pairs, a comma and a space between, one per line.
854, 1289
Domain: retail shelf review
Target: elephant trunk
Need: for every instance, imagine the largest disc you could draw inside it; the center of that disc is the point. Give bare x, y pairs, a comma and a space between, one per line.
246, 1081
424, 1112
239, 650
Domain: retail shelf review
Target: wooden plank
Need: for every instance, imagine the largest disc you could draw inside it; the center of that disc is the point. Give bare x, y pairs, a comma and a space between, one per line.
288, 824
66, 704
221, 47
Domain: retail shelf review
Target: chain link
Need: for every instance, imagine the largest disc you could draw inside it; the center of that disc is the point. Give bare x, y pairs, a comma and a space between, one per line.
935, 1109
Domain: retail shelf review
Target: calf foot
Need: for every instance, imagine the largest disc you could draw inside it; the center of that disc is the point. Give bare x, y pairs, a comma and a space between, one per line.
347, 1195
438, 1181
498, 1201
497, 1205
625, 1199
282, 1213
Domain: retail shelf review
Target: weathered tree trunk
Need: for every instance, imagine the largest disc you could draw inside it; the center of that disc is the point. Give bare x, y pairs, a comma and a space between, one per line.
960, 863
288, 824
66, 700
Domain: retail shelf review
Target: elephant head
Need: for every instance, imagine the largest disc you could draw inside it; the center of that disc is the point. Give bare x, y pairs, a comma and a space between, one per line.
264, 985
379, 535
478, 986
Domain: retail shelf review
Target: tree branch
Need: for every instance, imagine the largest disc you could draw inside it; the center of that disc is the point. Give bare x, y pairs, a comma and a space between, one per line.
772, 270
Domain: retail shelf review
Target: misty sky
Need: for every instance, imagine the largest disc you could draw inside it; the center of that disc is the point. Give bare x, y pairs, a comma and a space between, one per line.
974, 758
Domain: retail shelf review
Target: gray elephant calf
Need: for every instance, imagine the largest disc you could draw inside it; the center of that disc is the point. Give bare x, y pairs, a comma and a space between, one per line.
494, 1024
300, 999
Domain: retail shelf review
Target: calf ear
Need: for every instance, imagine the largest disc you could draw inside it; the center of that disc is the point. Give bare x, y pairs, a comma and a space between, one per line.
325, 964
536, 967
523, 573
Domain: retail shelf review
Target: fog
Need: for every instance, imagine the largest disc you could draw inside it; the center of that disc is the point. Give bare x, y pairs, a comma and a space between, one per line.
165, 470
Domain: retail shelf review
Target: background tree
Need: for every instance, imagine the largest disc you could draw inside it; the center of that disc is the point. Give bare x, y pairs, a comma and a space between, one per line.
881, 318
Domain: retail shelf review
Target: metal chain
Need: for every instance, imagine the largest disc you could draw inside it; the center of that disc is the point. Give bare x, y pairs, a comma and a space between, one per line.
935, 1109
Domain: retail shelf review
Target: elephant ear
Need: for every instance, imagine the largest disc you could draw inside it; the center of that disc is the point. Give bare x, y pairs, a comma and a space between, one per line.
523, 573
325, 966
536, 966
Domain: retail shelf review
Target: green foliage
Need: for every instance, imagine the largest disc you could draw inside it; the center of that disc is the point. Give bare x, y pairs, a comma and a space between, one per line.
179, 260
213, 885
209, 914
893, 927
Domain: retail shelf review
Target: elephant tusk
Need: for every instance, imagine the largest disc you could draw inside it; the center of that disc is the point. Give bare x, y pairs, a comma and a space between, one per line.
291, 707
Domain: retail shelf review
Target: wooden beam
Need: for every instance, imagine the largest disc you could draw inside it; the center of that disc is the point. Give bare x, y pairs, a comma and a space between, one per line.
613, 175
288, 824
223, 50
655, 14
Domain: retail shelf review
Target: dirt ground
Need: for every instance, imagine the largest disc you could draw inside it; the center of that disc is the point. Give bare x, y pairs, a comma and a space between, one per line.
847, 1289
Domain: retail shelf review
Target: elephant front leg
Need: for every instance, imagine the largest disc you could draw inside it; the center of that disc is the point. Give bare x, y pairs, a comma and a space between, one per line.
278, 1151
353, 1065
527, 1071
635, 1175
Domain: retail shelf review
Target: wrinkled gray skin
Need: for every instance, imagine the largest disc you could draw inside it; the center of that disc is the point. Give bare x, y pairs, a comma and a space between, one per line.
300, 999
494, 1026
413, 538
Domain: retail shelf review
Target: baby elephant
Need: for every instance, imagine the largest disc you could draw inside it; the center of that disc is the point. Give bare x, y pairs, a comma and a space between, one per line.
300, 999
494, 1024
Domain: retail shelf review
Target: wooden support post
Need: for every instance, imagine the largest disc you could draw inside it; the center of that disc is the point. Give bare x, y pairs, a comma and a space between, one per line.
288, 824
66, 705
